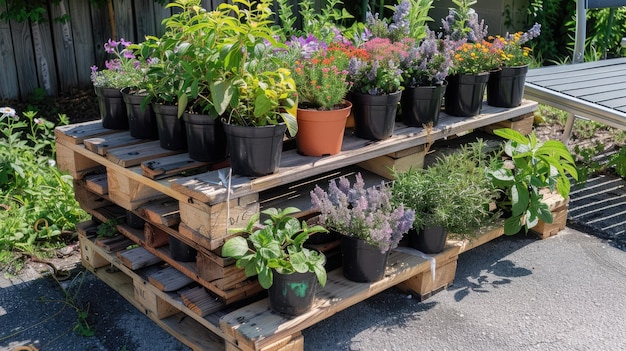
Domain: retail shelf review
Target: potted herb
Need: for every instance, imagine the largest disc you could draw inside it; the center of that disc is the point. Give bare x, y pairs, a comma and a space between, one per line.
120, 72
536, 166
506, 85
193, 25
472, 60
450, 196
376, 90
258, 104
163, 86
424, 74
370, 224
322, 84
275, 253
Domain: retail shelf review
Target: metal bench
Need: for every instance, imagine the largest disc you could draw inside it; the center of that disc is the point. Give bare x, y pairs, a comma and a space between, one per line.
592, 90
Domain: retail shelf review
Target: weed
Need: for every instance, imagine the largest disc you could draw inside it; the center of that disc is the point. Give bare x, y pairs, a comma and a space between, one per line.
37, 205
107, 229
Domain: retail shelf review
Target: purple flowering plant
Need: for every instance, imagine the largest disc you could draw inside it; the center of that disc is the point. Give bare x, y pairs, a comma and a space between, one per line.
121, 71
378, 72
396, 28
462, 23
367, 214
428, 63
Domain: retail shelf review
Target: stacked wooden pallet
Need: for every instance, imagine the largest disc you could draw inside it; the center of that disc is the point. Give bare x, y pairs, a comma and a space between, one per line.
196, 203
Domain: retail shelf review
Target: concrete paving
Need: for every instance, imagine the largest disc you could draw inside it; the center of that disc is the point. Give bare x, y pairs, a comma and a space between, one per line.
514, 293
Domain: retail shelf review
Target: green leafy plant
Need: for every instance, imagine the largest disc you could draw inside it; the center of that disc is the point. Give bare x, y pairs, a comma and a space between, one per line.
536, 166
590, 165
454, 192
107, 229
278, 245
37, 204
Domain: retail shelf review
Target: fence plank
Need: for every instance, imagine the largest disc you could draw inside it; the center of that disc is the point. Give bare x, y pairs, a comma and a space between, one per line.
83, 40
123, 10
145, 19
64, 44
24, 58
101, 32
44, 56
8, 74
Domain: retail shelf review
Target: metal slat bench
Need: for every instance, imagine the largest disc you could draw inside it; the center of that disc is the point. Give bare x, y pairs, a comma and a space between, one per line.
592, 90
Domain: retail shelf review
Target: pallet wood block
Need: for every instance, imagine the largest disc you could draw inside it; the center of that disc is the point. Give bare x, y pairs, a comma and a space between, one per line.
89, 256
129, 193
114, 244
97, 183
134, 155
86, 198
74, 163
559, 219
102, 144
155, 236
423, 286
171, 165
522, 124
400, 161
169, 279
163, 212
208, 269
199, 301
151, 302
137, 258
76, 133
213, 221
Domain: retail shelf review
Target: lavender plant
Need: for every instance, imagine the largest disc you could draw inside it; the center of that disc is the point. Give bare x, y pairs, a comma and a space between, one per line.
367, 214
462, 23
427, 64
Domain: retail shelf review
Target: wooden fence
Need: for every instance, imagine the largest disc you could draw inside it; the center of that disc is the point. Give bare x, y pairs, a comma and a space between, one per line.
57, 56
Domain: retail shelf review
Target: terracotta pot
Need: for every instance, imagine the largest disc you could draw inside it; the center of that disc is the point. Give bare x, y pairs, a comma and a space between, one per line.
320, 133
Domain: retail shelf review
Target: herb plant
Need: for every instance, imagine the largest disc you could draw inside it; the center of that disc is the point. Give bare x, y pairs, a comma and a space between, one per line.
279, 245
367, 214
537, 165
453, 193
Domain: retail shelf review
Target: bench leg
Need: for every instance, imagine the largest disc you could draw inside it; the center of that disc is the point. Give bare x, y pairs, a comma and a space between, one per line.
569, 125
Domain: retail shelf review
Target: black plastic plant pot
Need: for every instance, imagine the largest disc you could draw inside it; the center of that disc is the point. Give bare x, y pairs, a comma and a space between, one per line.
362, 262
172, 133
421, 105
465, 93
206, 140
506, 86
181, 251
429, 240
112, 108
134, 221
141, 122
255, 151
374, 115
292, 294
